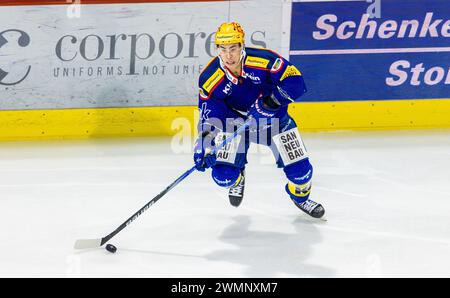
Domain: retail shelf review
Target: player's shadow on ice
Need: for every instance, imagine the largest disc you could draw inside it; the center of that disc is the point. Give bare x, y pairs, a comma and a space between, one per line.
266, 254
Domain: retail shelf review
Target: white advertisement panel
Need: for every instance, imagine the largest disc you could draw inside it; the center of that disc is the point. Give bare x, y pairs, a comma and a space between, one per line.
119, 55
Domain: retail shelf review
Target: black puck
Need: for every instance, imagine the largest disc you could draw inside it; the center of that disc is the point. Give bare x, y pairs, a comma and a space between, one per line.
111, 248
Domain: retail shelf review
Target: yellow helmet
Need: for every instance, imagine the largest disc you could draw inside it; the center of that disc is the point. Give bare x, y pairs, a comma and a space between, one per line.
229, 33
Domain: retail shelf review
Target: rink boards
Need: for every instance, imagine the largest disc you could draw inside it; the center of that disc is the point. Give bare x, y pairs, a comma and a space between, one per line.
367, 64
180, 121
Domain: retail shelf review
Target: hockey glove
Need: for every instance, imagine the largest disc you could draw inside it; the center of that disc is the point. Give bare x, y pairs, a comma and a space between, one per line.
264, 107
203, 158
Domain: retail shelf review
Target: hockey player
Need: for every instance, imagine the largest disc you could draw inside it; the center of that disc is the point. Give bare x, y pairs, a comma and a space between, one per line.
244, 82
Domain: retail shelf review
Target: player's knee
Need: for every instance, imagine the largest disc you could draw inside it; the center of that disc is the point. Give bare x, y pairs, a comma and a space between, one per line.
299, 175
225, 175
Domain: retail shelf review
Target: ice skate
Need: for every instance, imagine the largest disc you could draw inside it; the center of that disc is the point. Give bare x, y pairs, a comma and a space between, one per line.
311, 208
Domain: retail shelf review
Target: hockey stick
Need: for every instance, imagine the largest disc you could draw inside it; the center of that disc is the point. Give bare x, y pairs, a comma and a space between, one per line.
92, 243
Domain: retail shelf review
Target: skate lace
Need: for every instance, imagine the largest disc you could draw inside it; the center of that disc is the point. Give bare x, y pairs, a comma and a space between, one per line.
236, 190
308, 205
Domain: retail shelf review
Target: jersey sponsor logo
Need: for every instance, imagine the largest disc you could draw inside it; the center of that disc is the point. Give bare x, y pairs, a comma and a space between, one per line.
204, 111
256, 62
227, 90
290, 71
228, 153
213, 80
254, 78
202, 94
277, 65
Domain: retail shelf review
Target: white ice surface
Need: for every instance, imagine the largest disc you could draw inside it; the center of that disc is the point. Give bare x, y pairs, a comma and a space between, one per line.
387, 200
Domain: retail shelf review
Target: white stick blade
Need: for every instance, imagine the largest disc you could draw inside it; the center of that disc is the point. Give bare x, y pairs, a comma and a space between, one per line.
87, 243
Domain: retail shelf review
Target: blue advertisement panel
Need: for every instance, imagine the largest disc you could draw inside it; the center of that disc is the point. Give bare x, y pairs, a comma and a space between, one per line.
372, 49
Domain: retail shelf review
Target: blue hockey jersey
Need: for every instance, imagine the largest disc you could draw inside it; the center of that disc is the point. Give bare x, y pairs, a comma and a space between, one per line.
223, 95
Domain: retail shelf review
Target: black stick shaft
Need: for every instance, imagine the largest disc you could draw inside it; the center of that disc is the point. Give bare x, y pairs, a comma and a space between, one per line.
172, 185
146, 206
